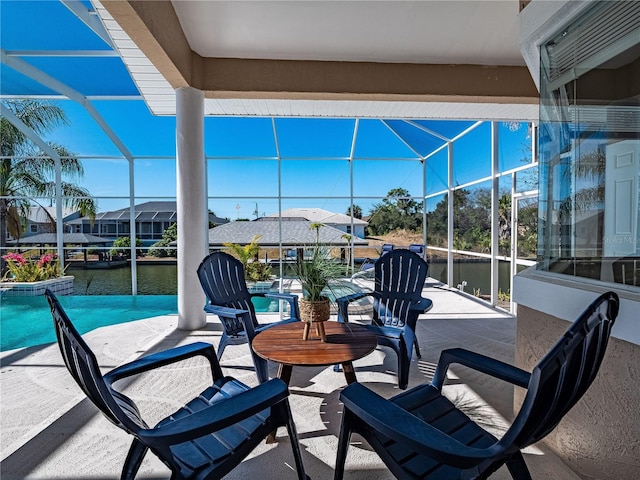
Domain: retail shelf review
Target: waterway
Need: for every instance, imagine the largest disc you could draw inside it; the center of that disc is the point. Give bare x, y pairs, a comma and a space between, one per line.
162, 279
152, 280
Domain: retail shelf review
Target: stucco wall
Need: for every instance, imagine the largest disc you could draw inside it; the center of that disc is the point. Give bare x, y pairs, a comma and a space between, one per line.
600, 437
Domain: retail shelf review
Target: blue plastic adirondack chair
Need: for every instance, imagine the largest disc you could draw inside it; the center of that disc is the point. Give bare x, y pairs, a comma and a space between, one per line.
421, 434
397, 302
205, 439
222, 278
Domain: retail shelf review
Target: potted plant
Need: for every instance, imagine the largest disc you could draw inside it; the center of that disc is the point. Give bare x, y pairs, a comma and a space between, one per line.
32, 275
315, 273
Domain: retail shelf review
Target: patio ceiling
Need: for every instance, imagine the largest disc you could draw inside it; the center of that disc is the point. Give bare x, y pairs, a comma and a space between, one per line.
395, 59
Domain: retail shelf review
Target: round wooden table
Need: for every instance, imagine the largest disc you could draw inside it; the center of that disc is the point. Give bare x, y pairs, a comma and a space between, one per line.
284, 344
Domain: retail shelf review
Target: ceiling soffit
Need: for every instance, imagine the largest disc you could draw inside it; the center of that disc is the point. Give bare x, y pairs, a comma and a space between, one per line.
507, 91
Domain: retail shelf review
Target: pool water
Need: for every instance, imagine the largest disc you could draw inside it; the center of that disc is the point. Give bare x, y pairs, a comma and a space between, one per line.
26, 321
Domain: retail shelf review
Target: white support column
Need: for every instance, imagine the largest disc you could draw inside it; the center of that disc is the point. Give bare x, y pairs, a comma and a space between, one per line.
514, 238
495, 208
450, 213
191, 198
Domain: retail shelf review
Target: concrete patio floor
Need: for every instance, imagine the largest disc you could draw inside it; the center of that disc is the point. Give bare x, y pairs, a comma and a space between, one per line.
50, 431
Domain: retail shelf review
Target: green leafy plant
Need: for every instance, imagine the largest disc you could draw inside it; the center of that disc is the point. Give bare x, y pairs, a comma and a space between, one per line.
162, 248
258, 271
122, 246
317, 271
504, 296
27, 174
21, 269
247, 254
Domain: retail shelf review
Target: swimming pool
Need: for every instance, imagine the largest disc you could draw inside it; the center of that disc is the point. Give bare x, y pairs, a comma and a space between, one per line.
26, 321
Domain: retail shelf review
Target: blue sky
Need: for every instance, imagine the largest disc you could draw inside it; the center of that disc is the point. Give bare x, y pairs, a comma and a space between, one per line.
243, 167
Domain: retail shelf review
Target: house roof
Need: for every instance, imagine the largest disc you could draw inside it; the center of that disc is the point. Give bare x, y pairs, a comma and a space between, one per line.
40, 214
149, 211
297, 233
342, 219
318, 215
67, 238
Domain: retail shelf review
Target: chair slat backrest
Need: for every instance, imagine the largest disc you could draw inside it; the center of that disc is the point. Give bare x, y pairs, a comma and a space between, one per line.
223, 281
399, 280
565, 373
83, 366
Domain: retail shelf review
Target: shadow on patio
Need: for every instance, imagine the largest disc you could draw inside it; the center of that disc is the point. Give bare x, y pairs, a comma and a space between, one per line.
50, 431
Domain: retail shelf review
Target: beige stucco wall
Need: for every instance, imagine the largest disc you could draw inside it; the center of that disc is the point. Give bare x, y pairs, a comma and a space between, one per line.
600, 437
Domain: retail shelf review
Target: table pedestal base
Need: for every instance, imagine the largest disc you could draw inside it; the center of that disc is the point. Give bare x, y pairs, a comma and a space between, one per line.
319, 330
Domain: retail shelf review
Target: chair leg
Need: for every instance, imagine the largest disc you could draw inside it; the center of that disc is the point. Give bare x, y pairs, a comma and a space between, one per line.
518, 468
224, 341
403, 370
261, 366
136, 454
417, 347
343, 444
295, 445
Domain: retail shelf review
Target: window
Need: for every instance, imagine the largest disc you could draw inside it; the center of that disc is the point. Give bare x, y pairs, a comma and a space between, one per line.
590, 146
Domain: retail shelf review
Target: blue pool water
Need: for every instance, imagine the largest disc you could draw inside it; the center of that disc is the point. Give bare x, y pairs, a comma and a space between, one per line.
26, 321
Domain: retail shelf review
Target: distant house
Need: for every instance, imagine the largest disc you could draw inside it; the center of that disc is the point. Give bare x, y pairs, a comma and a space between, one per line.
293, 234
42, 219
339, 221
151, 218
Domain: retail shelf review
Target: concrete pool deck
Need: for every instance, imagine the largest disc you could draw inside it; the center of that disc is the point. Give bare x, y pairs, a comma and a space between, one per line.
50, 431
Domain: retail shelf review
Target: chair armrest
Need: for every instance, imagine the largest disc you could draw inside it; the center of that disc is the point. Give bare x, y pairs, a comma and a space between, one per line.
390, 420
343, 304
422, 306
251, 331
243, 315
481, 363
389, 332
166, 357
291, 298
223, 311
221, 414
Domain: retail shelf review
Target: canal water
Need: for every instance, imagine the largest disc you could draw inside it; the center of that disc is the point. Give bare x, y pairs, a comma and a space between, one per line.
162, 279
152, 280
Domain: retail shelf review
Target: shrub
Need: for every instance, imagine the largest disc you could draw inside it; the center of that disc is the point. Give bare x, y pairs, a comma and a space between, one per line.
19, 269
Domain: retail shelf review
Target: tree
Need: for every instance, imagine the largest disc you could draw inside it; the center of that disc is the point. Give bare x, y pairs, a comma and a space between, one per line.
354, 211
244, 253
589, 170
162, 248
27, 174
397, 211
316, 227
471, 221
248, 256
344, 251
122, 246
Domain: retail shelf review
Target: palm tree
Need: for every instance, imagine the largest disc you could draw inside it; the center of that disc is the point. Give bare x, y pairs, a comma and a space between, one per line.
316, 226
26, 174
246, 252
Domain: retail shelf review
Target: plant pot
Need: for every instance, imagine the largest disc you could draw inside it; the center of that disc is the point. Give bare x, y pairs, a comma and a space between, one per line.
314, 313
59, 286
